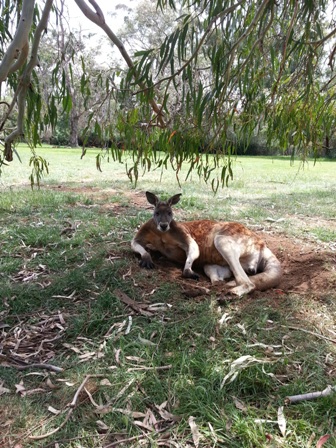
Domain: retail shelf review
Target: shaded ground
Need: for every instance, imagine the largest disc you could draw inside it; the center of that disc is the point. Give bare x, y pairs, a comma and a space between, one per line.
309, 267
309, 273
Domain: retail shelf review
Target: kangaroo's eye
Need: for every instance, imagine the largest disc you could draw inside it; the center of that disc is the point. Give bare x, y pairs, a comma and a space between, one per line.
169, 213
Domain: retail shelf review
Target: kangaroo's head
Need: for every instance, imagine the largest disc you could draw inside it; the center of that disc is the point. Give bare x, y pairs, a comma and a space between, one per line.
163, 214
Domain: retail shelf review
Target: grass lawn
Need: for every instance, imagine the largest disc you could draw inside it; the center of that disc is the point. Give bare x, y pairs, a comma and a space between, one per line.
145, 358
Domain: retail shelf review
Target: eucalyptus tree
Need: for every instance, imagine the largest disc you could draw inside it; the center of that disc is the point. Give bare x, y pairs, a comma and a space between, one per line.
233, 66
77, 73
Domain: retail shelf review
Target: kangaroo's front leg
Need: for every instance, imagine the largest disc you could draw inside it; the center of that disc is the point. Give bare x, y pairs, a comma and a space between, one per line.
146, 260
192, 252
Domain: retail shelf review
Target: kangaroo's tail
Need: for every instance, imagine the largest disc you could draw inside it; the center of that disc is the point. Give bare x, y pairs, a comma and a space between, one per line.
271, 271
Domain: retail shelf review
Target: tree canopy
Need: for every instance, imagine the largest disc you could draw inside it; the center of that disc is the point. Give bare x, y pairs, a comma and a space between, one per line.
199, 79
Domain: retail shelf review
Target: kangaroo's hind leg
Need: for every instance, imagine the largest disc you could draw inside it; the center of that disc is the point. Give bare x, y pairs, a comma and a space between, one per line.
230, 251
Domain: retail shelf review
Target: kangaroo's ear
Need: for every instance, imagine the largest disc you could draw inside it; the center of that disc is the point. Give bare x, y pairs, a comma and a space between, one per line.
174, 199
152, 198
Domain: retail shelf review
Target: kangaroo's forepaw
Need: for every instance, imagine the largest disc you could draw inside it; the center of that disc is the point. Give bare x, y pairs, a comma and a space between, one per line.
189, 273
146, 263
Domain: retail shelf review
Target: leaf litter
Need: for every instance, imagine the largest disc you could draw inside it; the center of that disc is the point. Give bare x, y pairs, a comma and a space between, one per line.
155, 419
33, 341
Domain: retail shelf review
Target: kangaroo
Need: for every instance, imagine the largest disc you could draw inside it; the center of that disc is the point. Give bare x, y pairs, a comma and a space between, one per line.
222, 249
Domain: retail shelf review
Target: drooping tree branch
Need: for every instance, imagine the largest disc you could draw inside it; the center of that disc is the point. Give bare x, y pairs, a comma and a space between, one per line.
24, 83
97, 17
284, 52
18, 47
224, 72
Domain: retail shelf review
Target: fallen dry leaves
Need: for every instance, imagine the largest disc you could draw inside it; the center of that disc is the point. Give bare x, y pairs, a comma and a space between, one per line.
32, 343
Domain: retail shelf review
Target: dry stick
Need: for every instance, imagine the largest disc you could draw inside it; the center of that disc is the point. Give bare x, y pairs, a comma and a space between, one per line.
132, 369
81, 387
310, 332
91, 398
138, 307
25, 436
43, 436
4, 358
72, 406
38, 366
71, 439
310, 396
202, 288
110, 445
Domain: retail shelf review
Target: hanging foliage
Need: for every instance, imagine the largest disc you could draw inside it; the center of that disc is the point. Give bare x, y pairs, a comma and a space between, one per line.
222, 72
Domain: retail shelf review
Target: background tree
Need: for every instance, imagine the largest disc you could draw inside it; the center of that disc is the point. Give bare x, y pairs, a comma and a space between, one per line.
215, 74
68, 64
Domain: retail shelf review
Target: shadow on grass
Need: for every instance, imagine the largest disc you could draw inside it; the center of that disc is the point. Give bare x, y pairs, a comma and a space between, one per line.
149, 373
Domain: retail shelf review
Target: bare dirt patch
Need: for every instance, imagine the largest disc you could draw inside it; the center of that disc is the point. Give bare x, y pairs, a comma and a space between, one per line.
308, 267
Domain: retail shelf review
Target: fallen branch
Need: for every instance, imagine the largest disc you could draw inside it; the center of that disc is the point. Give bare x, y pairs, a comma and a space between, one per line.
7, 361
140, 308
132, 369
318, 335
310, 395
39, 366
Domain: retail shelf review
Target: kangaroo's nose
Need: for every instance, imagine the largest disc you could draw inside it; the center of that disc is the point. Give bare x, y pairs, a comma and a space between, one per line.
164, 226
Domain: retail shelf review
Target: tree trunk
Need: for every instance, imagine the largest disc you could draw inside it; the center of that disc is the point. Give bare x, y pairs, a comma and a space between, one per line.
327, 146
74, 120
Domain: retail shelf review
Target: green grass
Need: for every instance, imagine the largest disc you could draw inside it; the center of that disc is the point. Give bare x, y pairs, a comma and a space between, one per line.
64, 256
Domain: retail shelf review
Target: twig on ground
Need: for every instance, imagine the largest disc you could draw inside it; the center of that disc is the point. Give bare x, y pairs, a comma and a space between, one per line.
310, 395
202, 288
81, 387
130, 439
71, 406
140, 308
131, 369
74, 439
48, 434
16, 364
318, 335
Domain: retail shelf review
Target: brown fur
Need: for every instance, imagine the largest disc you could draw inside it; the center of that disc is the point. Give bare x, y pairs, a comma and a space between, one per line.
204, 232
223, 249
